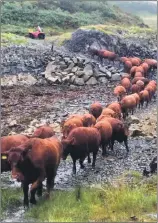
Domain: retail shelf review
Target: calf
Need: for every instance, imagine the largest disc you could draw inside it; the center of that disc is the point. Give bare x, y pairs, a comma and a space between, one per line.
7, 142
80, 143
35, 160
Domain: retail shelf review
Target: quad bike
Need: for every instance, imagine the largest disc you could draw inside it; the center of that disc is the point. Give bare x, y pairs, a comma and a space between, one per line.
36, 34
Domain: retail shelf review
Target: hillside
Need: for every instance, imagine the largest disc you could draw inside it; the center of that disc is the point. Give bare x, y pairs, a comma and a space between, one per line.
57, 16
147, 10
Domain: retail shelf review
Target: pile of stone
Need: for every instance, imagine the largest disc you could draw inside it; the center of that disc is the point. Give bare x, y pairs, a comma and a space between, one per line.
79, 71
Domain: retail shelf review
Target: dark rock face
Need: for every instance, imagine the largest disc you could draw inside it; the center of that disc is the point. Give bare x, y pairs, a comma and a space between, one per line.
132, 46
22, 59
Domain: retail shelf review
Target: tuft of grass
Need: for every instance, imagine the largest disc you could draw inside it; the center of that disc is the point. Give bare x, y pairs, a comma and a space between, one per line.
116, 202
10, 198
61, 38
10, 38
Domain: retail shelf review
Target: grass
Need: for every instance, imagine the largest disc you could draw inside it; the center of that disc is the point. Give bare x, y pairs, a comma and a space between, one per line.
10, 198
12, 39
110, 203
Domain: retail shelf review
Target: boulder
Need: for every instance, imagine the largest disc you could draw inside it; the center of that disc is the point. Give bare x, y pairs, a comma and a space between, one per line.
103, 80
79, 73
91, 81
79, 81
88, 70
133, 119
26, 79
116, 77
9, 80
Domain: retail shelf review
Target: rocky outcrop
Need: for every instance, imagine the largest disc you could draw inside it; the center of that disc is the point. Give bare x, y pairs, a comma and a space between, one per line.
123, 46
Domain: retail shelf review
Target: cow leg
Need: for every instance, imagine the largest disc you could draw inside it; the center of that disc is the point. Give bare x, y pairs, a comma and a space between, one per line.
50, 183
126, 145
39, 190
32, 199
94, 159
39, 180
81, 164
112, 144
25, 191
89, 159
74, 166
104, 152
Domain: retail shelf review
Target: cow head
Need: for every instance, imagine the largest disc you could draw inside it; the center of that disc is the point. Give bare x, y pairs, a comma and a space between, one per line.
15, 156
67, 145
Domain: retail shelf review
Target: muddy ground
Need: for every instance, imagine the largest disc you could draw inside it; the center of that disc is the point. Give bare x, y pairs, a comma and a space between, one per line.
22, 105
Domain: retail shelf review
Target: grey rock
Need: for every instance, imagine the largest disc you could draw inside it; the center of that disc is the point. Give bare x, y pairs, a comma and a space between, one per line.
108, 74
74, 69
133, 119
88, 70
103, 80
80, 73
79, 81
116, 77
92, 81
103, 70
71, 66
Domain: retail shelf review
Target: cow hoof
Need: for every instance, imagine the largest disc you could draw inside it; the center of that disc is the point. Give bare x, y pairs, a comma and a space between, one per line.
33, 201
39, 194
82, 167
89, 160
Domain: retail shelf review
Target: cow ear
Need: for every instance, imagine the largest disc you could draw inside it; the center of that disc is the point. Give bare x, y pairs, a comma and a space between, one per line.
4, 155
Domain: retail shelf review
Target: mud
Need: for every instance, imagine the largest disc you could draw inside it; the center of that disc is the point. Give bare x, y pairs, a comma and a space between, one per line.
53, 103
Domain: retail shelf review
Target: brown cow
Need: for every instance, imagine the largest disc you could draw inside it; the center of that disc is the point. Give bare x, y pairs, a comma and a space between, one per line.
125, 82
128, 103
115, 106
135, 88
119, 132
144, 97
43, 132
80, 143
109, 112
96, 109
105, 130
7, 142
36, 160
88, 120
119, 91
71, 124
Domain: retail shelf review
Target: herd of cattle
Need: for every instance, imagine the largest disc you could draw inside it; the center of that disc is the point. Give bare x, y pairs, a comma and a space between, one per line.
31, 159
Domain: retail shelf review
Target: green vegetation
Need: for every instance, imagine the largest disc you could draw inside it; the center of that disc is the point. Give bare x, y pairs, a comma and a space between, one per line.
115, 29
137, 7
60, 15
10, 38
111, 203
147, 11
10, 198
